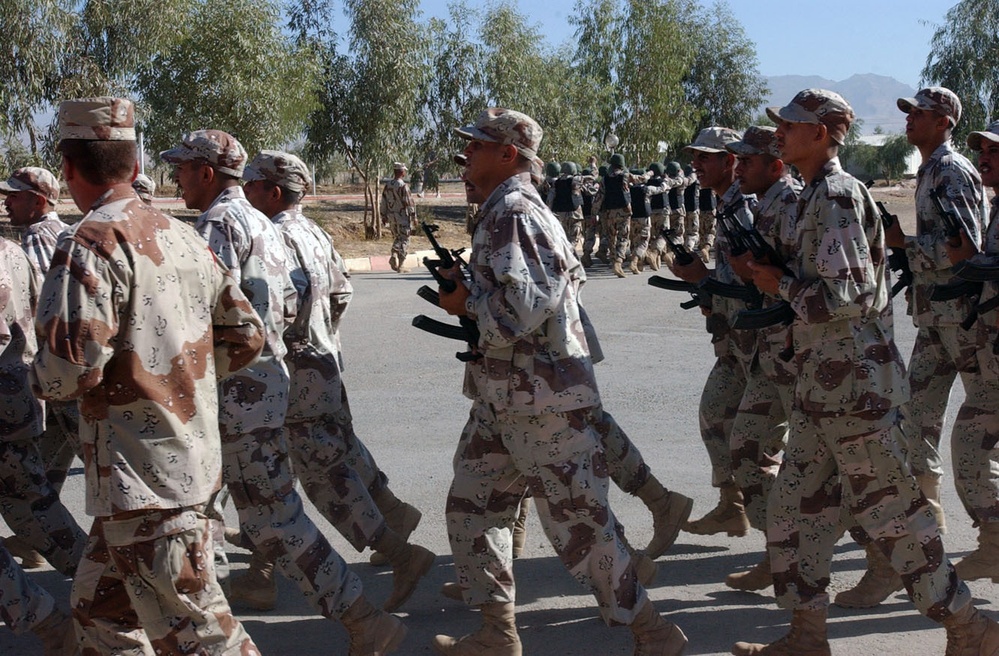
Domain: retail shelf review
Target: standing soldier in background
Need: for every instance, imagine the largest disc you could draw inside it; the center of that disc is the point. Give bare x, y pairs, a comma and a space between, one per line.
565, 198
138, 321
145, 188
399, 211
589, 189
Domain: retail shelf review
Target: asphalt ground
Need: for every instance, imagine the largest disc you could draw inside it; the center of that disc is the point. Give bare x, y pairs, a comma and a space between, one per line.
405, 392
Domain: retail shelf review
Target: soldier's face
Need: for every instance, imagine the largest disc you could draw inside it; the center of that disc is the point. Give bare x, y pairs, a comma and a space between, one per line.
189, 179
257, 192
23, 207
794, 140
988, 164
479, 176
754, 173
923, 126
714, 170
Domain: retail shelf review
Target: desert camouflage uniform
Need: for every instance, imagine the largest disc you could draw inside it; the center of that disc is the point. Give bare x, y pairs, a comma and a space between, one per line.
617, 219
531, 425
28, 502
591, 222
735, 350
706, 204
640, 229
844, 445
253, 407
665, 216
39, 240
691, 223
571, 219
943, 350
760, 429
399, 210
319, 429
149, 320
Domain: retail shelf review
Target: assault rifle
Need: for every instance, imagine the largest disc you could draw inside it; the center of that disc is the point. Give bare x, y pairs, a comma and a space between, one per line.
683, 257
898, 262
681, 254
748, 293
973, 272
467, 330
972, 290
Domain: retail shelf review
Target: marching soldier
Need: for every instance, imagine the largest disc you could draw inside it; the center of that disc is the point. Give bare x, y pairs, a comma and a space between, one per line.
398, 210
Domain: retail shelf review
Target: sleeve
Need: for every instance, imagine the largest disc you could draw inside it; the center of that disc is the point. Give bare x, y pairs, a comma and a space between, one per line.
238, 331
407, 201
341, 291
221, 240
959, 194
76, 321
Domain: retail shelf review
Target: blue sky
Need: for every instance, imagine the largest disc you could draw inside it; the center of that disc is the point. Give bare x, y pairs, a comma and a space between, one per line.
887, 37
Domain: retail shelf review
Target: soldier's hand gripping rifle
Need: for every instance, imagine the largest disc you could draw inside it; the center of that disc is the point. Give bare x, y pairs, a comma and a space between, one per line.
980, 273
970, 289
898, 262
730, 226
467, 330
683, 257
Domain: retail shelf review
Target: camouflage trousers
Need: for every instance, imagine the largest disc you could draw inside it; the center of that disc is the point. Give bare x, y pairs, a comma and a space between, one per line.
723, 391
146, 585
619, 231
60, 442
835, 458
32, 508
607, 245
572, 223
257, 470
659, 220
400, 237
625, 464
23, 603
591, 227
691, 230
758, 435
939, 355
638, 234
706, 230
556, 457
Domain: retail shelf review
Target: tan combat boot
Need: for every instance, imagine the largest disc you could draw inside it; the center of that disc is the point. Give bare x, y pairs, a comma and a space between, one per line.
756, 578
520, 527
729, 516
497, 636
670, 510
654, 636
394, 261
399, 516
255, 588
807, 637
983, 562
705, 254
971, 633
633, 267
878, 583
618, 271
402, 264
372, 632
652, 259
929, 484
57, 633
410, 563
19, 548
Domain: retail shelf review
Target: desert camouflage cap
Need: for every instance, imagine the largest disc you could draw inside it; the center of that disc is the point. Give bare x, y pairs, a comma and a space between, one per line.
283, 169
399, 166
33, 179
505, 126
144, 186
756, 140
97, 119
537, 170
818, 106
459, 159
220, 149
935, 99
990, 133
714, 140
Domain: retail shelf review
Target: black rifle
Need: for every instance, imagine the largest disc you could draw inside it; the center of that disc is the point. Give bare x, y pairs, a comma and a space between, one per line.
973, 272
678, 286
681, 254
467, 330
970, 289
898, 262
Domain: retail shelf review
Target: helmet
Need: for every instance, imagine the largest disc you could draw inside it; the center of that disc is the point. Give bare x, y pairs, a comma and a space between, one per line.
568, 168
688, 169
587, 171
617, 161
551, 169
673, 169
602, 170
656, 168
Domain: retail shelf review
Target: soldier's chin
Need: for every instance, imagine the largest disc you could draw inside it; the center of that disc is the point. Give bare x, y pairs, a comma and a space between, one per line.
472, 194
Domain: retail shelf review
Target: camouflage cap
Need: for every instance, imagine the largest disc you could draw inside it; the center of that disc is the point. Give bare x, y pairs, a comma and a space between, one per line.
756, 140
505, 126
283, 169
460, 159
34, 179
220, 149
537, 169
97, 119
714, 140
399, 166
990, 133
935, 99
144, 186
819, 107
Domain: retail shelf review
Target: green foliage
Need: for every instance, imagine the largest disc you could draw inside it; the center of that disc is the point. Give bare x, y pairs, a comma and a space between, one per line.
893, 155
963, 53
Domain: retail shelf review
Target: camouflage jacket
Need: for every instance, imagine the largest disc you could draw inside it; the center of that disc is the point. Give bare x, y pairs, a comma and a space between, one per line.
524, 296
775, 220
22, 416
314, 359
741, 343
39, 240
138, 321
251, 247
844, 349
952, 174
990, 256
397, 203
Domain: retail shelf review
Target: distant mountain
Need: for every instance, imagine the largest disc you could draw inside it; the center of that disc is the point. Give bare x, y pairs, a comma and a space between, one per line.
871, 96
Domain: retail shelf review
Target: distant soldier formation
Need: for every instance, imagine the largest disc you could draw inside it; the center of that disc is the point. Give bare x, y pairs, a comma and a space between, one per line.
189, 366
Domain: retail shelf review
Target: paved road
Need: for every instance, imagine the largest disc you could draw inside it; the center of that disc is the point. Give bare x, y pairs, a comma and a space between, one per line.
405, 390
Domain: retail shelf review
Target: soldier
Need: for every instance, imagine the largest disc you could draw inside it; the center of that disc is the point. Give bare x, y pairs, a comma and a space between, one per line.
560, 457
589, 189
399, 211
615, 209
760, 428
29, 499
145, 188
973, 474
135, 320
706, 203
24, 606
253, 404
337, 471
691, 194
605, 248
844, 445
565, 198
660, 216
734, 349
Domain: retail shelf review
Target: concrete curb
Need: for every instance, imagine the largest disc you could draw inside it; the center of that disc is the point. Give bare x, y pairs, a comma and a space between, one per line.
379, 263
